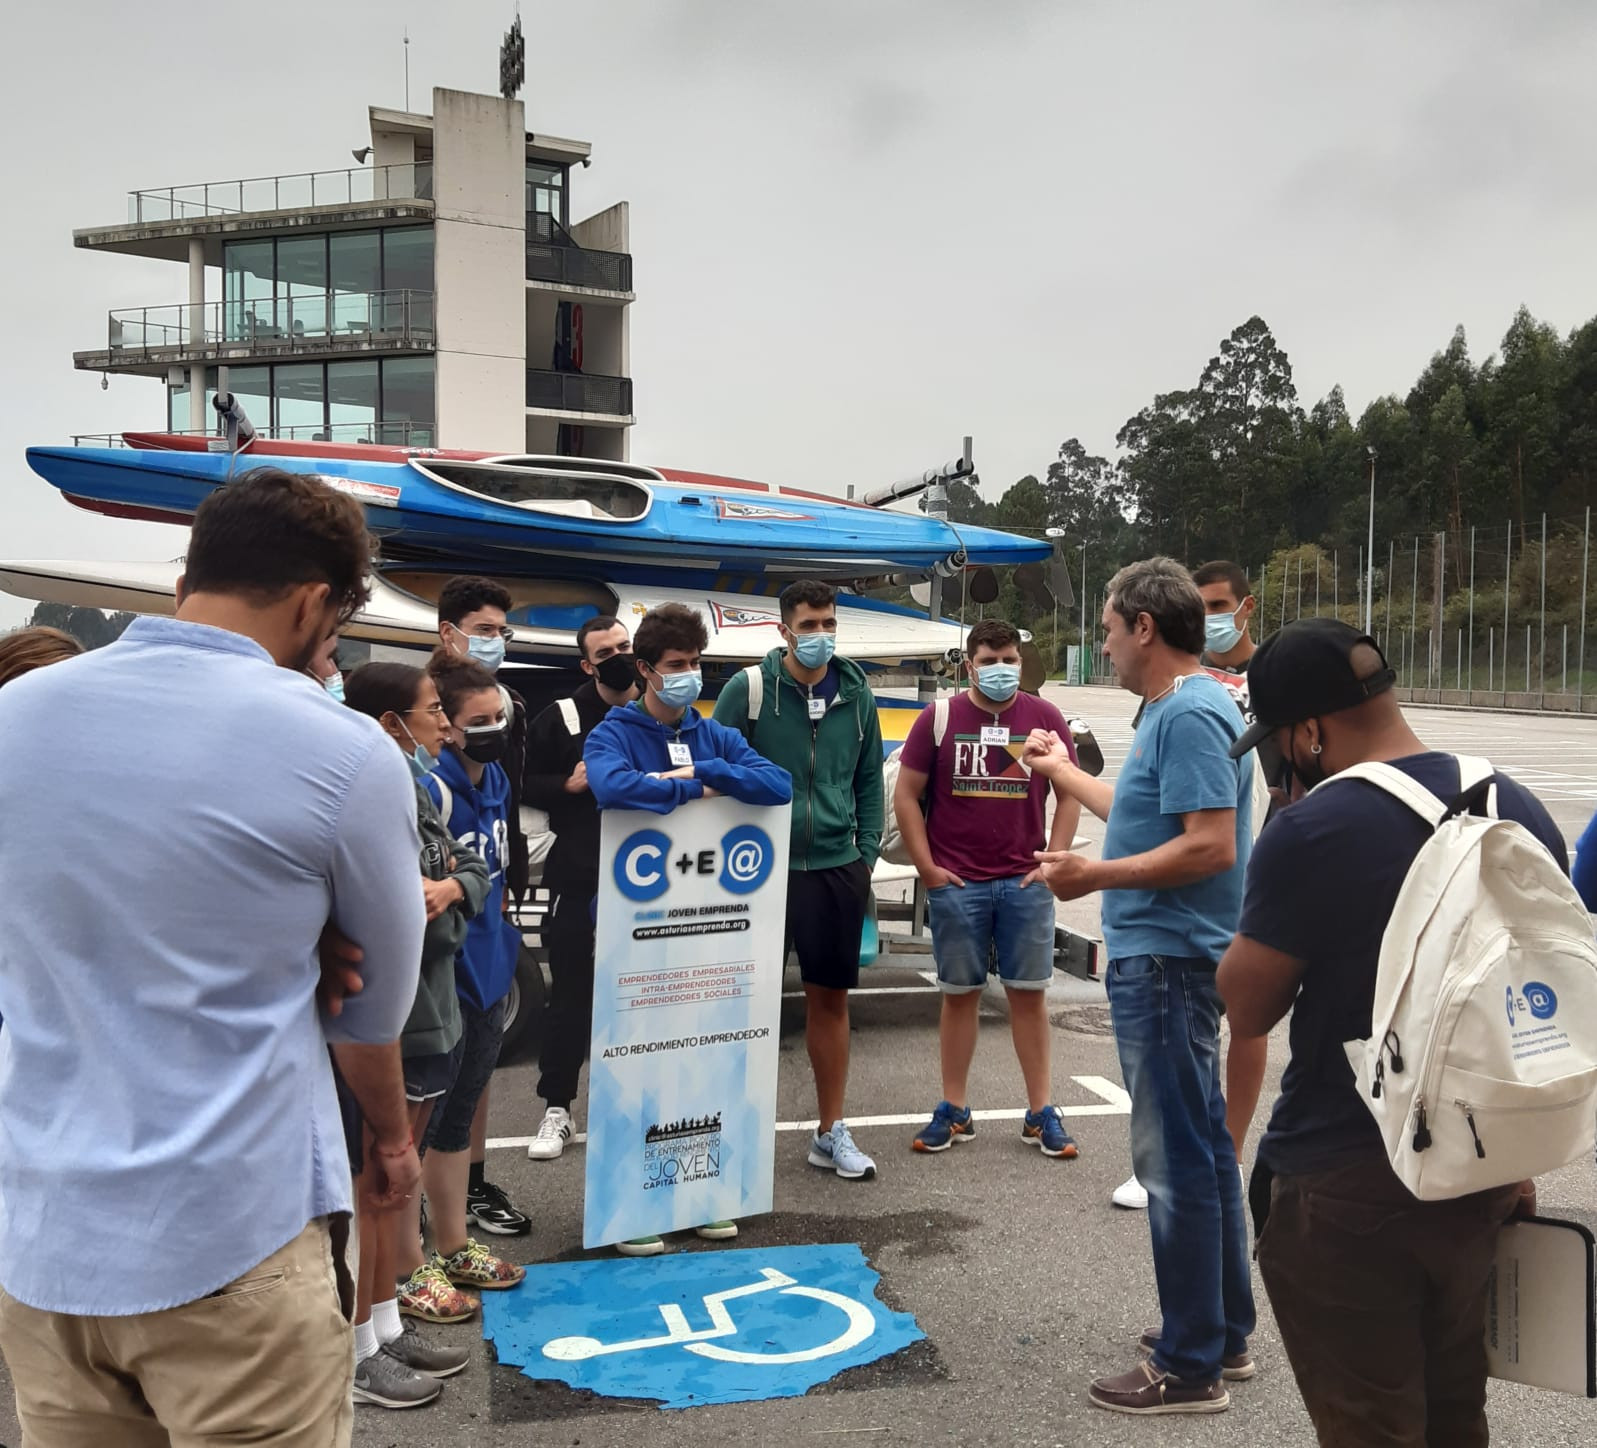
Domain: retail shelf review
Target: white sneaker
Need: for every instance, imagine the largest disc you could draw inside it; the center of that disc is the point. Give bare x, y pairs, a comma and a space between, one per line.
553, 1134
1131, 1195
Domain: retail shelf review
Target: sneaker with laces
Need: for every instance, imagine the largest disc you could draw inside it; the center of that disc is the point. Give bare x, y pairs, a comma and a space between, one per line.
429, 1296
641, 1247
718, 1231
1130, 1194
424, 1357
554, 1131
386, 1381
1045, 1129
489, 1208
1146, 1391
835, 1150
1235, 1367
949, 1124
475, 1266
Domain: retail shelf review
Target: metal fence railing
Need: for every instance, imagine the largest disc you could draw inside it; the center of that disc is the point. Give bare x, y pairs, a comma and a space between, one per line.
578, 266
350, 186
400, 317
579, 392
387, 434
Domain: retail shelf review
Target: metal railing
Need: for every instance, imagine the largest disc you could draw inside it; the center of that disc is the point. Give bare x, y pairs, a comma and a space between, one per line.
577, 266
350, 186
387, 434
400, 318
579, 392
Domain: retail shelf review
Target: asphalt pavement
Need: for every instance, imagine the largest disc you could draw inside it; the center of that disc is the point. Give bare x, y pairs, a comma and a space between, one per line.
1026, 1281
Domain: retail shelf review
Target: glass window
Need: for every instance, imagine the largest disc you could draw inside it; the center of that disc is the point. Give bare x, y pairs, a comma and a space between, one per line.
352, 400
545, 200
408, 404
302, 286
301, 401
247, 293
408, 259
356, 271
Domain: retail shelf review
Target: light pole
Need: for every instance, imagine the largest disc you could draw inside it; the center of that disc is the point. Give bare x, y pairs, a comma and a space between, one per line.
1055, 533
1369, 555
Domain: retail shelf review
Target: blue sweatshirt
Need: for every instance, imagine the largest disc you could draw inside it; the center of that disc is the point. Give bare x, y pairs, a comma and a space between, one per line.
628, 746
479, 817
1585, 872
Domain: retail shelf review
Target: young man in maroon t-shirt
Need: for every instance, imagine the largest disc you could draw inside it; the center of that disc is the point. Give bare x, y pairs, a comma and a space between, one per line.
974, 848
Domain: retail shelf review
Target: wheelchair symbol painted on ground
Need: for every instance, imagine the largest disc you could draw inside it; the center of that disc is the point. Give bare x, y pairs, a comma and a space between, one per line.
859, 1325
698, 1327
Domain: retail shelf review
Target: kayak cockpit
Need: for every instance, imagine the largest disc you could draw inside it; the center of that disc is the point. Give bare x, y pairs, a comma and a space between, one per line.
547, 486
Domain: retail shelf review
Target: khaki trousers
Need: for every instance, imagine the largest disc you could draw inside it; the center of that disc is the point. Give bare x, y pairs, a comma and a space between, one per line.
267, 1360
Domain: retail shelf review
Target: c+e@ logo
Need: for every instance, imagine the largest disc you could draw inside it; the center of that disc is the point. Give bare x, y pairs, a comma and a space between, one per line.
643, 863
1538, 999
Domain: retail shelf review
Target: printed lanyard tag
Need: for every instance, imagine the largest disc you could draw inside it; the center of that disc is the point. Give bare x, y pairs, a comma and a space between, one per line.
817, 708
995, 734
678, 752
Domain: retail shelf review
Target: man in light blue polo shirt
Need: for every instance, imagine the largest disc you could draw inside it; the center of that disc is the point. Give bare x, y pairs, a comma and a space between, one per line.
1171, 874
184, 816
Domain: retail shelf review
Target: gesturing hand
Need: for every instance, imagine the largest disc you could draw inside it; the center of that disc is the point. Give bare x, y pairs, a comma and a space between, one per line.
1045, 753
577, 783
1068, 875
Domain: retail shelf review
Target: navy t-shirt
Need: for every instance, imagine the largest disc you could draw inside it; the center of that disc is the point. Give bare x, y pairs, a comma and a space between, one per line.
1321, 886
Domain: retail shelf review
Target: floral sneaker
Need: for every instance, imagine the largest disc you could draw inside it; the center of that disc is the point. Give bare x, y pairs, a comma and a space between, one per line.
429, 1296
475, 1266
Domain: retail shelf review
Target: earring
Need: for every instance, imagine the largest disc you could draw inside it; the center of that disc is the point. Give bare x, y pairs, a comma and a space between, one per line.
1314, 749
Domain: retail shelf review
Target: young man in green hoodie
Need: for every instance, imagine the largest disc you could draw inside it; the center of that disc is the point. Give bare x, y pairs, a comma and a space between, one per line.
813, 713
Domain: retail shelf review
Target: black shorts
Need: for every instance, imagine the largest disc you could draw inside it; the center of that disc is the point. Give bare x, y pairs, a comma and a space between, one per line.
825, 919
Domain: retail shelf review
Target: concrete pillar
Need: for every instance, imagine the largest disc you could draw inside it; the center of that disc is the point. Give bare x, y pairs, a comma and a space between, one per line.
197, 419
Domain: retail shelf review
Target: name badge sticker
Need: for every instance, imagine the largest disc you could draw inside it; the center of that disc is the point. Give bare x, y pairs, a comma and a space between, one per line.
678, 753
817, 708
995, 734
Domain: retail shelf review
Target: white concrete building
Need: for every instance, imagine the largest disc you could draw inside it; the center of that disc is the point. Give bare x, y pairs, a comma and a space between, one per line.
437, 293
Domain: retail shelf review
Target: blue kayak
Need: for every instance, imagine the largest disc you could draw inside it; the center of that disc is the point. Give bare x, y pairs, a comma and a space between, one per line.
537, 515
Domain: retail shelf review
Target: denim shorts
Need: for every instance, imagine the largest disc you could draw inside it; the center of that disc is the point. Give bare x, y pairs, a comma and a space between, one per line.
992, 924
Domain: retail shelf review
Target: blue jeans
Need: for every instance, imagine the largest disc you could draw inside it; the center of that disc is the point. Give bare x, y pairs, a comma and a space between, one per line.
992, 920
1167, 1026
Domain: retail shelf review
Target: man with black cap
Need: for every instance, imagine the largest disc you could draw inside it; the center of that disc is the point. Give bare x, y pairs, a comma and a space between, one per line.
1380, 1297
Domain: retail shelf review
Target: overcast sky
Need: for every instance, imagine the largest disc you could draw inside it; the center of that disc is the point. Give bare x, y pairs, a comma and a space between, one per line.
861, 228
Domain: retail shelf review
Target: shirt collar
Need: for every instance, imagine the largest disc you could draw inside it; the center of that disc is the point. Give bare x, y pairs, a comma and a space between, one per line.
179, 633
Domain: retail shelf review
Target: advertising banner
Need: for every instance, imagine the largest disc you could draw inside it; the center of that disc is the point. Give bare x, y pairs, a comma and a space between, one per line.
687, 998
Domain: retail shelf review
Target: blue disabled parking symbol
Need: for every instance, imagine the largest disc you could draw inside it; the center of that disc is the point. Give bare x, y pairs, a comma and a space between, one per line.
698, 1327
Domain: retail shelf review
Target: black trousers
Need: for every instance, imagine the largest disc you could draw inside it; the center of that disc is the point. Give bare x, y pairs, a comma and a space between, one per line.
569, 935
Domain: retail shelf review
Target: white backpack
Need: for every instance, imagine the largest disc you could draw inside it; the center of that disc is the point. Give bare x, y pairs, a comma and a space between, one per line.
534, 821
892, 841
1481, 1065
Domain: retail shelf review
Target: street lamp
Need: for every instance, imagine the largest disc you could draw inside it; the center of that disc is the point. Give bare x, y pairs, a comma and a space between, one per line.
1369, 555
1055, 533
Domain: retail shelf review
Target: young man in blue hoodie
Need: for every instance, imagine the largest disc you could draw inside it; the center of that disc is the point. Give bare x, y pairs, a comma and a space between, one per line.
657, 753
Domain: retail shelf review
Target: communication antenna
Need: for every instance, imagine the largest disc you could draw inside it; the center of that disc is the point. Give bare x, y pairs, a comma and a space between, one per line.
407, 67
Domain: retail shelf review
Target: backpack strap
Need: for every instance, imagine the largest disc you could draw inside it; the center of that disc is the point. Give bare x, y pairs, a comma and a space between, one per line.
1474, 777
568, 716
446, 799
939, 720
754, 677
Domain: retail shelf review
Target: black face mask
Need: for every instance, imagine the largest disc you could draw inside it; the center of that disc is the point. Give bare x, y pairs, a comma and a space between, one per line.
618, 673
1311, 774
486, 743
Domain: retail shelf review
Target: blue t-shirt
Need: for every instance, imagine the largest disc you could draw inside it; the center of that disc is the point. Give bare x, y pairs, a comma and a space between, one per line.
1324, 879
1179, 763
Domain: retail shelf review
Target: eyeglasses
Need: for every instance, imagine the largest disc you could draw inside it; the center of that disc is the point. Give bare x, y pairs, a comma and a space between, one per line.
486, 631
436, 710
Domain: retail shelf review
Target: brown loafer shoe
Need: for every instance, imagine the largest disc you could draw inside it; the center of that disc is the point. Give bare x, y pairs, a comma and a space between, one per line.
1145, 1390
1234, 1367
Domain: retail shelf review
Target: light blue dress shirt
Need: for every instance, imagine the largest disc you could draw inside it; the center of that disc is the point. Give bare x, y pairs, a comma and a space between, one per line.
179, 818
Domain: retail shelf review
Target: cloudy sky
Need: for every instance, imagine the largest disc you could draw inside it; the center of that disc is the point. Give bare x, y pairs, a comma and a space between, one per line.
862, 228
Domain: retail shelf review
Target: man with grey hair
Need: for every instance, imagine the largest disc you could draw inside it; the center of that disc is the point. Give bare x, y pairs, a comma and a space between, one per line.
1171, 871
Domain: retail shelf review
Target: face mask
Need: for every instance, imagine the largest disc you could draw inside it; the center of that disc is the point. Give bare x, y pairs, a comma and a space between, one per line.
1221, 633
334, 684
998, 681
618, 673
490, 653
421, 762
814, 649
487, 742
677, 691
1311, 774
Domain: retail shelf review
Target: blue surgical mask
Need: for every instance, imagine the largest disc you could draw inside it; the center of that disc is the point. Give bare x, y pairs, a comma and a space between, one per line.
490, 653
334, 684
1220, 632
998, 681
420, 761
814, 649
677, 691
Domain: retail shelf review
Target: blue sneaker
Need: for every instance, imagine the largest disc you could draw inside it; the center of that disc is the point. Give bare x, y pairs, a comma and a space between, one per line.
1045, 1129
948, 1125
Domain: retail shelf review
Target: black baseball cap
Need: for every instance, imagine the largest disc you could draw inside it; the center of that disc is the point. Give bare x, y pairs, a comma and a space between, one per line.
1304, 671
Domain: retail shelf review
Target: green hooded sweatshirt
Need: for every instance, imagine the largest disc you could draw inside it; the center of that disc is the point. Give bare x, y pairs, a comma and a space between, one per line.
836, 763
434, 1024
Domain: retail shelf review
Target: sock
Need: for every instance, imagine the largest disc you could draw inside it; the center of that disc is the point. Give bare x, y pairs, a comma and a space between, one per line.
366, 1343
474, 1181
385, 1320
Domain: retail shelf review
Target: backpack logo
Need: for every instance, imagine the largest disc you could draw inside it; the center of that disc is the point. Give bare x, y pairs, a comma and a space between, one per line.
1541, 1001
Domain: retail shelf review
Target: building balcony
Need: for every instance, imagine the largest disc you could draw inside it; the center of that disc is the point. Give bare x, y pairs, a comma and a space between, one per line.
554, 256
386, 434
320, 324
352, 186
579, 392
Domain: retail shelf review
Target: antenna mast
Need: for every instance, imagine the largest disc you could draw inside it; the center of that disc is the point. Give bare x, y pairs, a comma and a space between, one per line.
407, 67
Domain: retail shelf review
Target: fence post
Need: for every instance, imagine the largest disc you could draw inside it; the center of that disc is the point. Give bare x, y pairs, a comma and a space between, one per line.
1564, 687
1414, 611
1459, 672
1580, 658
1491, 661
1470, 697
1336, 590
1541, 651
1391, 559
1508, 579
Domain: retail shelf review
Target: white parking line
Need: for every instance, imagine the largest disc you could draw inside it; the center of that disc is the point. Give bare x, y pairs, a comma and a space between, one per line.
1113, 1102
